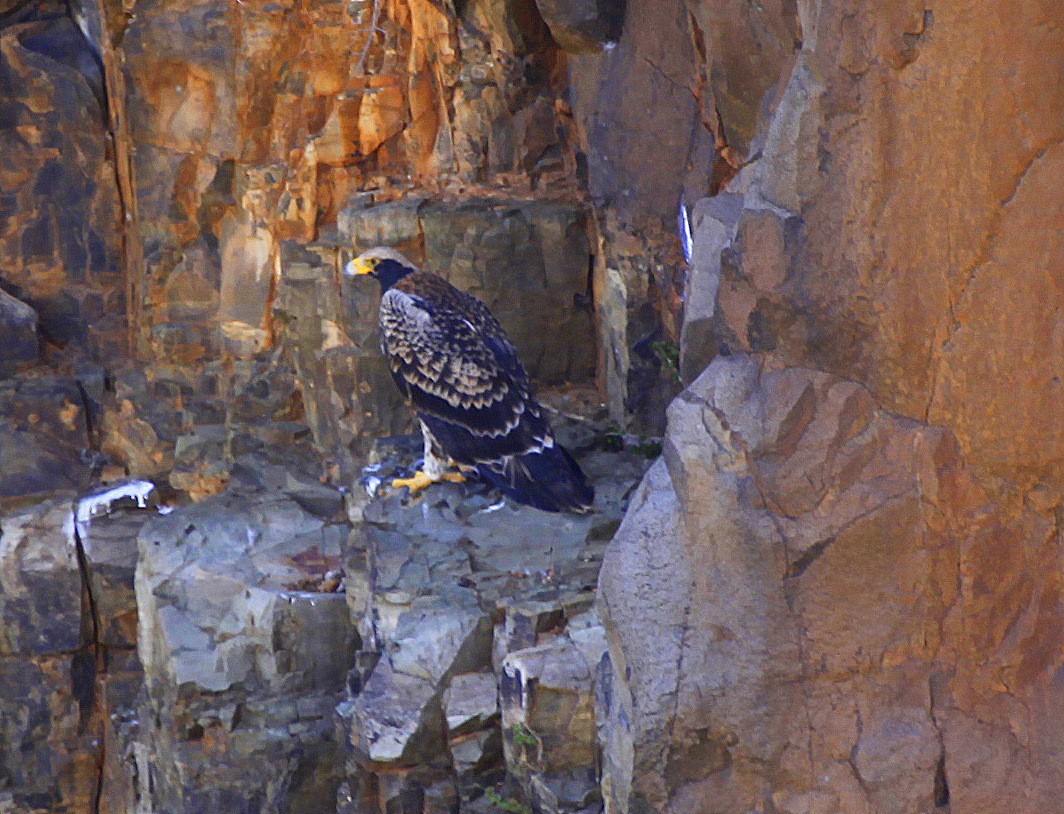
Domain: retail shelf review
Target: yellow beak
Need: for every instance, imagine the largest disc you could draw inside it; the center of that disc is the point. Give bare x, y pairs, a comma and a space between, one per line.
359, 266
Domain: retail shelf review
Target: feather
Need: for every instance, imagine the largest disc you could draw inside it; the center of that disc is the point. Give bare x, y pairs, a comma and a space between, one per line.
450, 356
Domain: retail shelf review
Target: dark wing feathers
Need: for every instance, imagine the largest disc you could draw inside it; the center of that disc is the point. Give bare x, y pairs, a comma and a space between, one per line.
454, 359
460, 370
548, 479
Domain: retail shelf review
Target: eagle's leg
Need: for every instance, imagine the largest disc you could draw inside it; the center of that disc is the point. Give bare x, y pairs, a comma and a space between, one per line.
435, 468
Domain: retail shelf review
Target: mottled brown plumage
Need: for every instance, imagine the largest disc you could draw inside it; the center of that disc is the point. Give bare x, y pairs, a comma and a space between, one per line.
455, 363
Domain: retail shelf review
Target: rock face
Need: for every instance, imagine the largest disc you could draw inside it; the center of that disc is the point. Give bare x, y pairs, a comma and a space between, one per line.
911, 316
18, 332
527, 259
641, 120
59, 205
583, 25
837, 592
850, 493
67, 663
244, 654
798, 661
479, 647
252, 134
44, 431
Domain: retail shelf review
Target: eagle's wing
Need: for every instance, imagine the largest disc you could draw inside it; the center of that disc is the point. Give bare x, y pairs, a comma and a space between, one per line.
460, 370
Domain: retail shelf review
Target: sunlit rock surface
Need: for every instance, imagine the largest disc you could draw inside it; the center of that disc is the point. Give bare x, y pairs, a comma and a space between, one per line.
467, 602
244, 648
822, 569
848, 549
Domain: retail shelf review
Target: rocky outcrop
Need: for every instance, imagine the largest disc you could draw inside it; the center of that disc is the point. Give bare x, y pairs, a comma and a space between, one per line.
251, 134
67, 660
854, 483
245, 646
811, 535
59, 203
479, 647
837, 592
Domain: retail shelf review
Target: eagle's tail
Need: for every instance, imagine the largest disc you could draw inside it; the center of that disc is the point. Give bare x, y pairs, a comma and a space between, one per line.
548, 479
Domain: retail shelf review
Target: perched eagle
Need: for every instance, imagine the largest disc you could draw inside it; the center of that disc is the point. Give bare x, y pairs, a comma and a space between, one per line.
453, 361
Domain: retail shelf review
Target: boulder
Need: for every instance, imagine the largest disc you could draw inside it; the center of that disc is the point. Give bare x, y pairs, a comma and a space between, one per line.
456, 592
773, 602
244, 652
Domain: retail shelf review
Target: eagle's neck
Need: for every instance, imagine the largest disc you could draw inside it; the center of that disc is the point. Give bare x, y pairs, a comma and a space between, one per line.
389, 272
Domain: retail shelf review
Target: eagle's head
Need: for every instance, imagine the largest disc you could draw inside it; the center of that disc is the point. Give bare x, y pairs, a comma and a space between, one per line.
384, 264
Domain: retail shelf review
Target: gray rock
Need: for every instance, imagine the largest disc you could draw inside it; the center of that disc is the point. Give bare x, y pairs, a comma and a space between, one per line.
243, 665
714, 224
110, 547
346, 390
397, 718
117, 696
67, 668
548, 716
528, 260
470, 703
457, 587
643, 599
441, 635
478, 759
775, 577
18, 333
40, 582
478, 245
394, 223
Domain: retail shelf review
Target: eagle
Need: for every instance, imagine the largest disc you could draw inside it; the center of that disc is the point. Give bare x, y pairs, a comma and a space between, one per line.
453, 361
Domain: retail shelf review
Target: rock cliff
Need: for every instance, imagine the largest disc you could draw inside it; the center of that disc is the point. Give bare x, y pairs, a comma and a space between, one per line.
857, 519
836, 590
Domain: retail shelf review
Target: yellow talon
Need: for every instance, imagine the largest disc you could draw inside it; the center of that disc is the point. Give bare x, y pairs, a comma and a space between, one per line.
414, 484
421, 480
